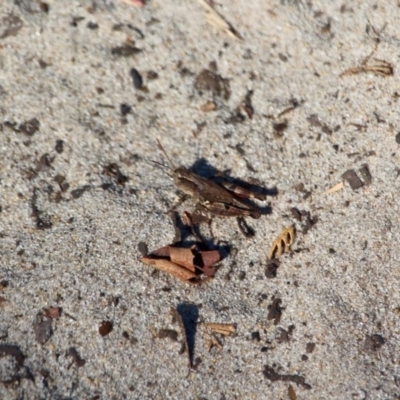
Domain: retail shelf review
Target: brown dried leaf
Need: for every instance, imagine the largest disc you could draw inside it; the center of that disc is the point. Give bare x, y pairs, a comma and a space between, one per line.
183, 257
169, 267
282, 243
186, 264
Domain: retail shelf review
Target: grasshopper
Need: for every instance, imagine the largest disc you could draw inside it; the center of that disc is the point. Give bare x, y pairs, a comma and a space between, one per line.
217, 199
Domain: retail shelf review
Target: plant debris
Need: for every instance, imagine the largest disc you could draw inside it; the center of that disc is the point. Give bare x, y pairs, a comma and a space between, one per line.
291, 393
167, 333
282, 243
335, 188
381, 68
10, 371
216, 20
364, 171
352, 178
105, 328
10, 25
275, 311
79, 362
186, 264
41, 223
272, 268
222, 329
210, 81
114, 171
274, 376
374, 342
76, 193
126, 50
310, 347
52, 312
43, 329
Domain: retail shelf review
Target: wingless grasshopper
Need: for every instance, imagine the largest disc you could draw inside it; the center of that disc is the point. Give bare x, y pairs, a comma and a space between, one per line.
216, 199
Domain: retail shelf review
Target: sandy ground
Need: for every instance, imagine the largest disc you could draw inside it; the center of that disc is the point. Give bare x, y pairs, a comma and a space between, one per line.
78, 192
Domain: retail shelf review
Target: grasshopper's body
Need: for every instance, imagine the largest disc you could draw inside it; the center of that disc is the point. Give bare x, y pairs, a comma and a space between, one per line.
221, 200
217, 199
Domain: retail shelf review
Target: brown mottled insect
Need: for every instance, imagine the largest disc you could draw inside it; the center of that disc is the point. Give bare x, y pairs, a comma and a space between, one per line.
217, 199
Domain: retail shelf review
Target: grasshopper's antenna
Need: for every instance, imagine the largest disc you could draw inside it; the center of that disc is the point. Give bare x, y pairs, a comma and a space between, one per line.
162, 165
166, 155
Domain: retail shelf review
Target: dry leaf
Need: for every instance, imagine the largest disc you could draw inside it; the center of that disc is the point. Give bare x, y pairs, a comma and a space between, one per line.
282, 243
186, 264
215, 19
335, 188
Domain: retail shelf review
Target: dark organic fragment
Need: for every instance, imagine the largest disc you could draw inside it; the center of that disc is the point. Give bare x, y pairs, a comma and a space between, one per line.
279, 128
137, 78
9, 371
283, 336
210, 81
246, 230
305, 217
397, 138
352, 178
105, 328
59, 146
374, 342
364, 171
36, 213
255, 336
44, 163
168, 333
42, 328
92, 25
126, 50
150, 75
274, 376
275, 311
79, 192
272, 268
114, 171
310, 347
10, 25
72, 352
62, 183
125, 109
29, 127
52, 312
143, 249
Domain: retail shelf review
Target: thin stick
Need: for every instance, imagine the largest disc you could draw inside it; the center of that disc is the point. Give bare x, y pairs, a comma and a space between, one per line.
166, 155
